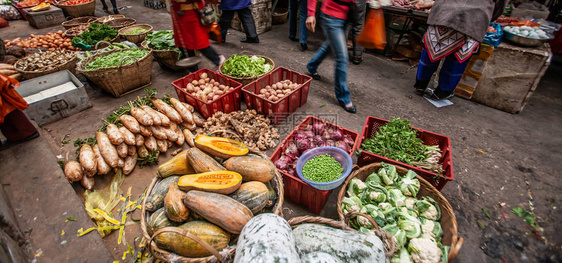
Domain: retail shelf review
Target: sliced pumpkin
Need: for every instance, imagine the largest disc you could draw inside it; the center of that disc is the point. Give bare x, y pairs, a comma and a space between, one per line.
220, 147
221, 182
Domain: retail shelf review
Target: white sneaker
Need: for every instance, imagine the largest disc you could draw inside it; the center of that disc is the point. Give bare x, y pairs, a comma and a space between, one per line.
221, 59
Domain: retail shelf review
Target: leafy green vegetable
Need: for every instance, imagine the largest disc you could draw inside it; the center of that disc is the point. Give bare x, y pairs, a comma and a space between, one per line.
114, 59
94, 34
135, 31
162, 40
527, 216
244, 66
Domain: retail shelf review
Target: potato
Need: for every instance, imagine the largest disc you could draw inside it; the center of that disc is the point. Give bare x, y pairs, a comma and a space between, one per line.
216, 84
130, 163
201, 82
87, 182
203, 75
219, 92
195, 82
87, 160
102, 166
272, 98
274, 86
287, 91
215, 97
73, 171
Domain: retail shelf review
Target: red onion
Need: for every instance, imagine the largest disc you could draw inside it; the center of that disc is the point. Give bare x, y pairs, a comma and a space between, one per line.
299, 136
342, 145
291, 171
337, 135
303, 145
330, 143
283, 162
291, 149
308, 128
318, 140
347, 139
318, 128
309, 134
326, 135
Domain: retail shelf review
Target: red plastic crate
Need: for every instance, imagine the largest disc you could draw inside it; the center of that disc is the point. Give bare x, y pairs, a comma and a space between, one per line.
297, 190
373, 124
278, 110
226, 103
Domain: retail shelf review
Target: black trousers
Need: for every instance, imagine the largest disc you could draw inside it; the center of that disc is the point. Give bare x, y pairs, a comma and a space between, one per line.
209, 52
246, 18
113, 3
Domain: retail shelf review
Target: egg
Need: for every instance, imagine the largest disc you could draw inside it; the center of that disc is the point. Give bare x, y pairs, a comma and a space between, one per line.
533, 35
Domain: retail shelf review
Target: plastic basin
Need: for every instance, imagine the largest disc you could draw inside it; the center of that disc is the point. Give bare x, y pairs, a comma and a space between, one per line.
340, 155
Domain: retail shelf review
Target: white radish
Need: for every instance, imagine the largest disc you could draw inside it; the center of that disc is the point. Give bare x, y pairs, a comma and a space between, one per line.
115, 136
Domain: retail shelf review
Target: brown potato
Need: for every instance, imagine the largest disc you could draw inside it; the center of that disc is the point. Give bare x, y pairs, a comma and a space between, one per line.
115, 136
88, 160
73, 171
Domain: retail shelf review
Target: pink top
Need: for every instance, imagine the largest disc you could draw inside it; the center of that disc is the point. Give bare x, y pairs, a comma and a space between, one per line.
330, 8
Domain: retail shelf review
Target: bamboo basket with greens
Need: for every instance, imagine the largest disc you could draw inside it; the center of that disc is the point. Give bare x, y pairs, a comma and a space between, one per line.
163, 48
246, 69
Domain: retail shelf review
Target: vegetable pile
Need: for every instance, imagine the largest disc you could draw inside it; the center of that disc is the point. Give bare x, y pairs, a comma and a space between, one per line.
75, 2
161, 40
135, 31
278, 90
244, 66
397, 141
207, 89
527, 31
315, 135
213, 201
254, 129
390, 199
94, 34
9, 71
50, 41
114, 59
322, 168
43, 61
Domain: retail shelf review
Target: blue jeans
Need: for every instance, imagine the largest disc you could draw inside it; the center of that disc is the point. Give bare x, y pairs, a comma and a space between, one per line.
300, 7
336, 40
450, 73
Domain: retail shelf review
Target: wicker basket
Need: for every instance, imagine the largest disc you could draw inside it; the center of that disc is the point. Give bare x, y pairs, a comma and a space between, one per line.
246, 81
383, 235
79, 21
121, 22
86, 9
164, 58
77, 30
70, 65
279, 15
122, 79
226, 253
135, 38
105, 19
448, 220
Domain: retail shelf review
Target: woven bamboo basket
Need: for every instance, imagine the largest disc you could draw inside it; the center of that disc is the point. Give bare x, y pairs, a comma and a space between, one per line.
70, 65
448, 219
122, 79
86, 9
121, 22
77, 30
279, 15
164, 58
135, 38
227, 254
108, 18
383, 235
79, 21
247, 80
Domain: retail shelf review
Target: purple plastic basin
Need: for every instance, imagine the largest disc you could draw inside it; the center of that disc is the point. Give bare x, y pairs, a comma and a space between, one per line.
340, 155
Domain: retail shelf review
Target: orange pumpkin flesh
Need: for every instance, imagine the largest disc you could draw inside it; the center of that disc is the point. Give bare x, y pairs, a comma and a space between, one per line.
221, 182
220, 147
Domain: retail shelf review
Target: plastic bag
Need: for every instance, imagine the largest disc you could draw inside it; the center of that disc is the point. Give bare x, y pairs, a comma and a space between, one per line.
100, 203
373, 35
9, 12
494, 39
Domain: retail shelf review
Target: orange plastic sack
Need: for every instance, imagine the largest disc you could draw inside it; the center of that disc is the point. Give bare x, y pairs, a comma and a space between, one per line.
373, 35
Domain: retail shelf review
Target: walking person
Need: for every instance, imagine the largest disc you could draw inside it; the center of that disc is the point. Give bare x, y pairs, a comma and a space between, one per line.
190, 34
357, 50
456, 29
298, 7
333, 18
113, 3
242, 8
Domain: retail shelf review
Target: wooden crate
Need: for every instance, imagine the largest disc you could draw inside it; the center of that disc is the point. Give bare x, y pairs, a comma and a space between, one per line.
261, 11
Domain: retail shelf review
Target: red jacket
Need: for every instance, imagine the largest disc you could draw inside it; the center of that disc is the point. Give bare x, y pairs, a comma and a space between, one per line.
330, 8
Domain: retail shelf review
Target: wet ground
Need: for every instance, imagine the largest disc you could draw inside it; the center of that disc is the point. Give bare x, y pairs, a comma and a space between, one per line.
501, 160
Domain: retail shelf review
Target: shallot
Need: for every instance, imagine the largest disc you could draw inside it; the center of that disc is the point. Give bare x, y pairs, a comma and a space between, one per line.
318, 128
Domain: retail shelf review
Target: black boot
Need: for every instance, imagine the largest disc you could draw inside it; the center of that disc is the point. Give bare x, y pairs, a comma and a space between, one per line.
420, 86
442, 95
250, 40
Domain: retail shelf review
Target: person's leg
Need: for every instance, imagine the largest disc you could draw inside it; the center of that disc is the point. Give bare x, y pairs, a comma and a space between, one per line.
224, 22
249, 25
104, 5
17, 127
355, 30
210, 53
303, 31
114, 4
317, 59
449, 77
335, 33
293, 10
426, 68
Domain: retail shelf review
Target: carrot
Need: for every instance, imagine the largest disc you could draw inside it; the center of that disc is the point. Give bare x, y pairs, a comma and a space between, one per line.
87, 160
139, 140
130, 123
128, 136
167, 110
102, 166
73, 171
131, 150
182, 110
115, 136
108, 151
189, 137
150, 143
87, 182
142, 117
122, 150
158, 132
130, 163
153, 114
162, 145
165, 120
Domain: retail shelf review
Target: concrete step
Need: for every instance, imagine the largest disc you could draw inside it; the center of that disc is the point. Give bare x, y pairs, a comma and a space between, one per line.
43, 199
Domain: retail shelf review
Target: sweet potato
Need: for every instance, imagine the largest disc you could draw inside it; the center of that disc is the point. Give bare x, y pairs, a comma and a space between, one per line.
198, 119
167, 110
139, 140
165, 120
131, 150
128, 136
130, 123
189, 137
170, 133
120, 163
182, 110
73, 171
162, 145
108, 151
150, 143
153, 114
145, 131
87, 182
87, 160
115, 136
142, 151
122, 150
102, 166
181, 139
130, 163
158, 132
142, 117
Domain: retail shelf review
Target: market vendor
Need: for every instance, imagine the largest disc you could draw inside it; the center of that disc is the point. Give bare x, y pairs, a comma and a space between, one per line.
456, 29
14, 125
189, 33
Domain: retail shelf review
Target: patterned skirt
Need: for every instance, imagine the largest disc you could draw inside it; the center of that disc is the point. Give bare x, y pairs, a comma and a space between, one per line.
441, 41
